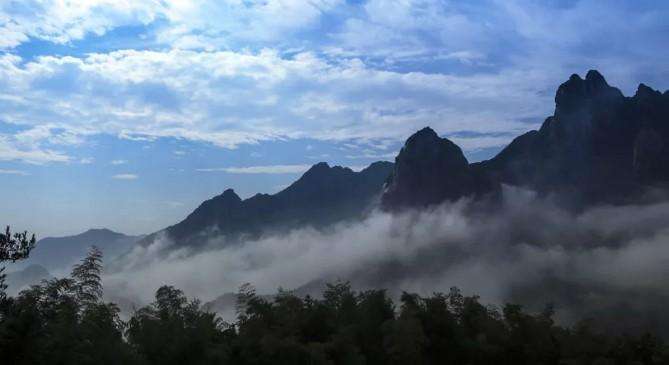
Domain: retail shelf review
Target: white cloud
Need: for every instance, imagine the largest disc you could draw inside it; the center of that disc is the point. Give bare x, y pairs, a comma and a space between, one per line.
174, 204
196, 24
231, 98
13, 150
221, 23
271, 169
13, 172
64, 21
212, 80
589, 258
125, 177
118, 162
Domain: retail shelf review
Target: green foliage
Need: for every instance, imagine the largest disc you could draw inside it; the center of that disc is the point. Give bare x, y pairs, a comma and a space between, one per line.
173, 330
13, 247
86, 276
65, 321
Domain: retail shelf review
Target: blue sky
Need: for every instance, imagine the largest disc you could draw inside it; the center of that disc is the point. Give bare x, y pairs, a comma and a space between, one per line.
127, 114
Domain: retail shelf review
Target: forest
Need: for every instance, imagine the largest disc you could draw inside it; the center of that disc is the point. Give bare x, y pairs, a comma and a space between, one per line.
66, 321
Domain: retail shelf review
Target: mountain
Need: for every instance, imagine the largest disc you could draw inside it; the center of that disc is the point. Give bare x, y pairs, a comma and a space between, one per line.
60, 253
322, 196
598, 147
431, 169
23, 278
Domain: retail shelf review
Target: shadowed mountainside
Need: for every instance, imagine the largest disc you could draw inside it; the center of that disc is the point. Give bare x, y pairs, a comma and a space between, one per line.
322, 196
598, 147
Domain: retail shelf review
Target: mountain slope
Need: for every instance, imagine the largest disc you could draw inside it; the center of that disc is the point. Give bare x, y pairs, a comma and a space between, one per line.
60, 253
598, 147
322, 196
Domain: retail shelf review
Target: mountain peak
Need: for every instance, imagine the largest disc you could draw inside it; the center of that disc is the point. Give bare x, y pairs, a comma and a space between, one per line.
429, 169
100, 231
321, 166
317, 171
322, 195
378, 165
595, 79
426, 145
577, 93
426, 134
644, 91
229, 194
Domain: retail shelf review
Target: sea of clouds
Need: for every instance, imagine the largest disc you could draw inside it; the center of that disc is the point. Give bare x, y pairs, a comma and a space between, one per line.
610, 263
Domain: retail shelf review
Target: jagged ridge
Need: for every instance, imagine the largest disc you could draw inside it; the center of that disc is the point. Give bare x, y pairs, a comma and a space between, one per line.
322, 196
599, 146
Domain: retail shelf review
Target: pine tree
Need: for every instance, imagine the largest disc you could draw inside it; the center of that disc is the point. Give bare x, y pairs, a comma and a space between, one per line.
87, 277
13, 248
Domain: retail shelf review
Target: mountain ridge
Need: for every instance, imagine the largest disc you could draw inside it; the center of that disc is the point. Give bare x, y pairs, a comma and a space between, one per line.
323, 195
599, 146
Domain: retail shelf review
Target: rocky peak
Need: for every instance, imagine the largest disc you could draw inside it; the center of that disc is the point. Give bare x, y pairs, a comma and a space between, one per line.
316, 170
319, 174
576, 93
644, 92
229, 195
426, 150
322, 195
428, 170
594, 81
378, 167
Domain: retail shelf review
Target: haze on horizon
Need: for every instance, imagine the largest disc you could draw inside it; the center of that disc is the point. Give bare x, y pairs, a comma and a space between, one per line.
127, 115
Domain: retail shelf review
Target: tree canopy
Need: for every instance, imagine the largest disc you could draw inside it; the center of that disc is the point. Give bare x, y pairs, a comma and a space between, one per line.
66, 321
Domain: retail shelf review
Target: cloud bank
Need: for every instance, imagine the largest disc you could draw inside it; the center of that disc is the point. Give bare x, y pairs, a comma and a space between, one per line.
231, 72
125, 177
270, 169
606, 262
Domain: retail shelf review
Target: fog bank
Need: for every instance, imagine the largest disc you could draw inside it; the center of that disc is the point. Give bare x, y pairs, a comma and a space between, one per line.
608, 262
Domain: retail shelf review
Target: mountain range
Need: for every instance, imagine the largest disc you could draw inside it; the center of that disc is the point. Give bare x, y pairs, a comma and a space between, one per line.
598, 147
322, 196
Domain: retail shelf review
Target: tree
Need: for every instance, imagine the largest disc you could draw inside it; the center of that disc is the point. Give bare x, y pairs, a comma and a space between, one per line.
13, 247
174, 330
87, 277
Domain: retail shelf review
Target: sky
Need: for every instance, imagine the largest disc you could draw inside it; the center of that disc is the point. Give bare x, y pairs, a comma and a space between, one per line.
127, 114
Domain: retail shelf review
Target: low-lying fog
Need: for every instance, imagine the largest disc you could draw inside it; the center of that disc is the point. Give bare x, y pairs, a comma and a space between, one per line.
608, 262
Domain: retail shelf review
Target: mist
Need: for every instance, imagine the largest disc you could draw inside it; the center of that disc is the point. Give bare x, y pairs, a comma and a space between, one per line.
605, 262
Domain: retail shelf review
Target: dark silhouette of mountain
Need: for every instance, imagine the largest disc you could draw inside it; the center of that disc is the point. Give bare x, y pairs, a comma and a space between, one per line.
431, 169
322, 196
598, 147
60, 253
